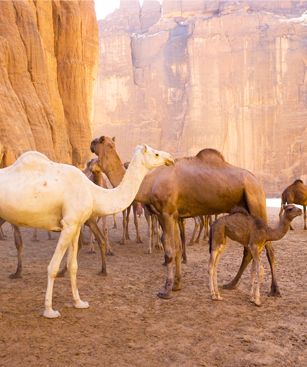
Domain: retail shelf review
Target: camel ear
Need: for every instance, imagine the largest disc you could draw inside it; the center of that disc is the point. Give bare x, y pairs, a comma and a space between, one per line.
145, 148
101, 139
113, 138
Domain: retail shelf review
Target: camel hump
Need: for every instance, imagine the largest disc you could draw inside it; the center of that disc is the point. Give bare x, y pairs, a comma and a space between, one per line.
239, 209
31, 159
298, 181
210, 154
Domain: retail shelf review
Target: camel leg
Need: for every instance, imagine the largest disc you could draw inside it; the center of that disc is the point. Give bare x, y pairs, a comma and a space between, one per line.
247, 256
215, 283
304, 207
168, 223
201, 227
34, 235
73, 267
127, 223
196, 226
275, 292
255, 289
136, 223
123, 240
206, 226
181, 225
2, 235
99, 238
114, 222
49, 236
178, 258
67, 236
156, 236
150, 232
19, 247
212, 262
105, 234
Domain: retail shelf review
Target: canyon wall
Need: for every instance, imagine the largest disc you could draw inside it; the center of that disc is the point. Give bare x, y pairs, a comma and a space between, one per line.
48, 62
190, 74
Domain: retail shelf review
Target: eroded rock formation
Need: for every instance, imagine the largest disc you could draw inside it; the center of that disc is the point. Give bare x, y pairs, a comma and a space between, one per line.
190, 74
48, 61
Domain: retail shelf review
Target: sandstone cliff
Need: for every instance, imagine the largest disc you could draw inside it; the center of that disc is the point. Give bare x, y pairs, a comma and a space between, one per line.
48, 61
190, 74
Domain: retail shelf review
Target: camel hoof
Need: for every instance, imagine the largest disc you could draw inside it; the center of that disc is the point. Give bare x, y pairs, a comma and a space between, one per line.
148, 252
274, 293
81, 304
110, 253
103, 273
184, 261
164, 294
34, 240
15, 276
256, 302
216, 297
51, 314
229, 286
176, 287
138, 240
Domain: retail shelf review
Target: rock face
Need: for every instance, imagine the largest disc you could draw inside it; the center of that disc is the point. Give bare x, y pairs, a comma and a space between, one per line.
190, 74
48, 61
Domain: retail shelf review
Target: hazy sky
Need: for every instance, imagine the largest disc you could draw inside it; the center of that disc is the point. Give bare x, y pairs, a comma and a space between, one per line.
105, 7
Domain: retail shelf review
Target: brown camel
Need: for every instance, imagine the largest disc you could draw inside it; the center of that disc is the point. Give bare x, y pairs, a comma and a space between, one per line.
296, 193
115, 177
202, 185
252, 233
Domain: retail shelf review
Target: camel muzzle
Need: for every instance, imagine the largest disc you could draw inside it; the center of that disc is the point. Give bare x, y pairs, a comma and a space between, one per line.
169, 162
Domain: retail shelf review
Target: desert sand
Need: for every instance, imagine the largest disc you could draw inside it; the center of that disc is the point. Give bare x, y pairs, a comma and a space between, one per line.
127, 325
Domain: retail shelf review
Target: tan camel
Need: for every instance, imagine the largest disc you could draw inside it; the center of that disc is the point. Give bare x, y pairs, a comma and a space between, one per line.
202, 185
59, 197
252, 233
296, 193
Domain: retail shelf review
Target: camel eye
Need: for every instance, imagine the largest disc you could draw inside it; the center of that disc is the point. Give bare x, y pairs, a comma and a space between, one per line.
157, 155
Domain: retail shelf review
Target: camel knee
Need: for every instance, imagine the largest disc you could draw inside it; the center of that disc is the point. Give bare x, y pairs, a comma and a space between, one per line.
168, 258
73, 268
52, 271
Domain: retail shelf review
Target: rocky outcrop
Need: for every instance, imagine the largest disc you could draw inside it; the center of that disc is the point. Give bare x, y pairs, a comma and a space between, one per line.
224, 74
48, 61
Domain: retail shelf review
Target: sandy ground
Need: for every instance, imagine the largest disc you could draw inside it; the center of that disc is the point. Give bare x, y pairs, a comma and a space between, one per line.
127, 325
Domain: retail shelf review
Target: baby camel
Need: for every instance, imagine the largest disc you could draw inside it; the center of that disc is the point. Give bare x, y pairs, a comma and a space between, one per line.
252, 233
58, 197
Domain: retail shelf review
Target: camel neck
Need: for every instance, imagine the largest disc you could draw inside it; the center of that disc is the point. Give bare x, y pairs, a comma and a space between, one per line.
116, 200
114, 169
277, 233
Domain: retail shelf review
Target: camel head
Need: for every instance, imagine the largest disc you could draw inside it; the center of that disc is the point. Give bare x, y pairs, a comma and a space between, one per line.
93, 166
104, 148
153, 158
291, 211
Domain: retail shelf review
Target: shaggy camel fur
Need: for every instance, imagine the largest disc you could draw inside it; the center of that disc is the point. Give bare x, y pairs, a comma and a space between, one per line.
202, 185
296, 193
252, 233
59, 197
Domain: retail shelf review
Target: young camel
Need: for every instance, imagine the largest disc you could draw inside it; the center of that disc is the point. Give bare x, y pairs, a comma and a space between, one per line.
59, 197
296, 193
252, 233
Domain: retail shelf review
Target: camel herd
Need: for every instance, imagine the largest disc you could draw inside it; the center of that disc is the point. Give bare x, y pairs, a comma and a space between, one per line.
39, 193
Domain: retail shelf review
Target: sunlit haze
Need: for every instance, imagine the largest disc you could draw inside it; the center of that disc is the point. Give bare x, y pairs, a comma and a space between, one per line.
106, 7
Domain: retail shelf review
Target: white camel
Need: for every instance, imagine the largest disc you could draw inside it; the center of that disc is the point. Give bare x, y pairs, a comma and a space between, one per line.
37, 192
